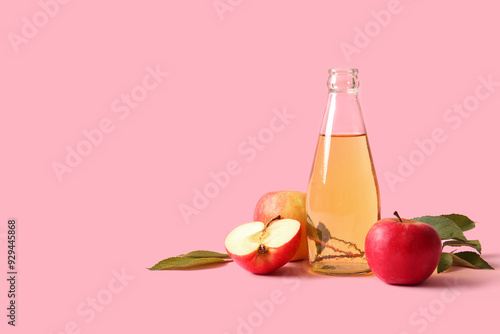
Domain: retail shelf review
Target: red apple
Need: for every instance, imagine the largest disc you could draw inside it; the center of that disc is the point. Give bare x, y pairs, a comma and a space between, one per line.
287, 204
262, 248
402, 251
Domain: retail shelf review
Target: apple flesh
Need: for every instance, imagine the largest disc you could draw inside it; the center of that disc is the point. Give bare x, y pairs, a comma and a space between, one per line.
287, 204
402, 251
262, 248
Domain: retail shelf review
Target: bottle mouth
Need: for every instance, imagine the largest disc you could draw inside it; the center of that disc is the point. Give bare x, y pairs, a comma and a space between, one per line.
343, 80
351, 71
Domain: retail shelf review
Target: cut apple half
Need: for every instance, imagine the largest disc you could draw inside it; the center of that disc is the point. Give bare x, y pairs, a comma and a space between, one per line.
262, 248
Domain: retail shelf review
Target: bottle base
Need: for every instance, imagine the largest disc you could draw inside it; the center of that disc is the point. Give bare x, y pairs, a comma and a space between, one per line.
341, 271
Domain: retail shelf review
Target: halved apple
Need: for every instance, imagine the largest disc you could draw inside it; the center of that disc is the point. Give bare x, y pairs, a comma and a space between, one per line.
262, 248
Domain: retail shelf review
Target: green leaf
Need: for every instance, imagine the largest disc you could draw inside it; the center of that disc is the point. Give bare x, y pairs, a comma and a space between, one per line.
190, 260
446, 228
319, 234
328, 267
205, 254
457, 243
471, 260
445, 262
464, 222
181, 262
325, 234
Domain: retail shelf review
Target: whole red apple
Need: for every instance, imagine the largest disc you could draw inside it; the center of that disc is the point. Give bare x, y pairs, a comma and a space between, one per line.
287, 204
262, 248
402, 251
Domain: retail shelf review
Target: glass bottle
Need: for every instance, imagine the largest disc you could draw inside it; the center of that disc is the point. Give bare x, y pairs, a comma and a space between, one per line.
342, 196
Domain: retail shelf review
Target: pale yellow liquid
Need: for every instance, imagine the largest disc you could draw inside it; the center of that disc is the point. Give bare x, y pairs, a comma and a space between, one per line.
342, 195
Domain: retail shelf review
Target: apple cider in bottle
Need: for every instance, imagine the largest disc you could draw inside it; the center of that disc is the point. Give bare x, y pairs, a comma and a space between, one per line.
342, 196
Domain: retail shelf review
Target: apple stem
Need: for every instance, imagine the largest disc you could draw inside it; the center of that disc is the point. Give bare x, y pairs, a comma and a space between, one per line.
273, 219
397, 215
262, 249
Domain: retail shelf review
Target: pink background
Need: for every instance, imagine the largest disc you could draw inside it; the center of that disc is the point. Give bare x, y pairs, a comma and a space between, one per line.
118, 210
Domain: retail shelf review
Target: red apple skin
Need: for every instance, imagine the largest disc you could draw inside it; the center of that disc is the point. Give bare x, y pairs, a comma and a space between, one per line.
402, 253
273, 259
287, 204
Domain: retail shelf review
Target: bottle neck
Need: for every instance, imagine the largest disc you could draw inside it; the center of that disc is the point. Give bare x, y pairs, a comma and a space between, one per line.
343, 112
